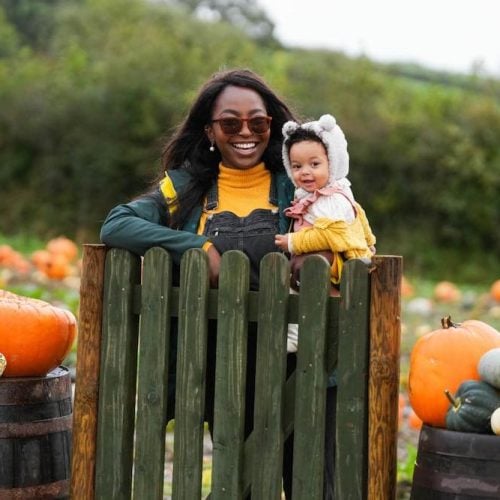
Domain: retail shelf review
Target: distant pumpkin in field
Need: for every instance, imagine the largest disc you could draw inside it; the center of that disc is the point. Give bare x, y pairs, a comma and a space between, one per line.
12, 259
58, 267
414, 421
35, 336
406, 288
6, 255
63, 246
53, 265
446, 291
40, 259
495, 290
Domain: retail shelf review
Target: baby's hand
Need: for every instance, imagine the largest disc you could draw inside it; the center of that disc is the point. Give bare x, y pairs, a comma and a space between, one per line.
281, 241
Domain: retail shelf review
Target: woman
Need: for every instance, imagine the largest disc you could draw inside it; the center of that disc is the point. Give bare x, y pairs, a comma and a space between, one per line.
229, 143
222, 186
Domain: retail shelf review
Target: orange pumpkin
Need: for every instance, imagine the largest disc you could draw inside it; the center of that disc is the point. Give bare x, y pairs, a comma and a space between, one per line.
406, 288
495, 290
446, 291
443, 359
35, 336
58, 267
401, 409
63, 246
6, 255
414, 421
53, 265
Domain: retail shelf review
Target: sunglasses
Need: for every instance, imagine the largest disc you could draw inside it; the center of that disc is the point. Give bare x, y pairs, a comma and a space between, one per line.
233, 125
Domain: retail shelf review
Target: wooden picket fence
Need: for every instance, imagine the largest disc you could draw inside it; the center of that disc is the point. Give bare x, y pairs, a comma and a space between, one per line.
122, 368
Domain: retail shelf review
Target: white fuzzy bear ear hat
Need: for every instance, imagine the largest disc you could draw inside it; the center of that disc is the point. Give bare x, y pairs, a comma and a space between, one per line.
331, 136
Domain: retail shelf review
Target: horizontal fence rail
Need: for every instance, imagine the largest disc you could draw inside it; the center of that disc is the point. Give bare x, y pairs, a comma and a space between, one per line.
133, 311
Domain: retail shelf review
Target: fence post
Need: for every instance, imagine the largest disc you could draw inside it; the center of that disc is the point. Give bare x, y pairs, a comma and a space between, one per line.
87, 370
385, 335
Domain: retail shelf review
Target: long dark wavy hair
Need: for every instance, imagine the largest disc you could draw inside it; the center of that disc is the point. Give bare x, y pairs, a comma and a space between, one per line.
188, 148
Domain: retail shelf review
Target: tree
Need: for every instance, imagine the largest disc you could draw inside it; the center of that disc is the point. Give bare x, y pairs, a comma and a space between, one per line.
33, 20
243, 14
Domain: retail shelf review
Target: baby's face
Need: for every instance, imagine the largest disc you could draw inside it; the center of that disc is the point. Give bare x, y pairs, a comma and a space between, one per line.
309, 164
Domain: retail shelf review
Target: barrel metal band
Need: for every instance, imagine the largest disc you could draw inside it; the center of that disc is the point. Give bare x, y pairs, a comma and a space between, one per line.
40, 428
51, 490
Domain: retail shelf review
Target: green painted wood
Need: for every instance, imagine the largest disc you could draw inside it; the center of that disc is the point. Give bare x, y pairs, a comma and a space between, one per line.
270, 375
152, 376
253, 305
230, 377
191, 367
332, 333
117, 377
352, 377
311, 375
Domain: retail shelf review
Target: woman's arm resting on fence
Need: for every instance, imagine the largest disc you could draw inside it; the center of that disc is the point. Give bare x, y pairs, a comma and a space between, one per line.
137, 226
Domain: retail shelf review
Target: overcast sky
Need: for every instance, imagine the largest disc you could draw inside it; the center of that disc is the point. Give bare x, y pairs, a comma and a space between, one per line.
450, 35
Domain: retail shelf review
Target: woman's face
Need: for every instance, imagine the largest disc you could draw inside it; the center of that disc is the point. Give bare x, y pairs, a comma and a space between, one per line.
243, 149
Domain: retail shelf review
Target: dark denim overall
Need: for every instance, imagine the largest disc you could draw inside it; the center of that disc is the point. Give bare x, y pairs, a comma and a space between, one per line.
253, 235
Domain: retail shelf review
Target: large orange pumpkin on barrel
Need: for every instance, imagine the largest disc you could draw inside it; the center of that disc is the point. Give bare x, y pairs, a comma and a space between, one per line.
443, 359
35, 336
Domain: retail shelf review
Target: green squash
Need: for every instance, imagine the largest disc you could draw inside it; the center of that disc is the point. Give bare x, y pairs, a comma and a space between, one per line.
472, 406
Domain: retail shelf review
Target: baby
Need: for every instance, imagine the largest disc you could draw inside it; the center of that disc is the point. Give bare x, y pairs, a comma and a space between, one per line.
327, 219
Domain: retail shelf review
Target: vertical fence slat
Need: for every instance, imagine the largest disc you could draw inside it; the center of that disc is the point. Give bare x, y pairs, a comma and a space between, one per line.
87, 372
152, 377
118, 377
311, 375
230, 377
385, 335
270, 373
191, 369
352, 375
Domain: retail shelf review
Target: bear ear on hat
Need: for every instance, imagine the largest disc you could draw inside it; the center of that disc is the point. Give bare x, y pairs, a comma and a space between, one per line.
289, 127
327, 122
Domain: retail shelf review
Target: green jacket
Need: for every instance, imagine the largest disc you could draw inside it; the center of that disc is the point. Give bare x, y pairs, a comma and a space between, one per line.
141, 224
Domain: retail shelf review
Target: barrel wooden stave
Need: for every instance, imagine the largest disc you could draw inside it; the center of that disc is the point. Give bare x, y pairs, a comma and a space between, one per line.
35, 436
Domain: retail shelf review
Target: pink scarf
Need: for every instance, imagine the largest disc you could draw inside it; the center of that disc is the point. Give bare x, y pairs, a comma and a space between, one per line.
300, 206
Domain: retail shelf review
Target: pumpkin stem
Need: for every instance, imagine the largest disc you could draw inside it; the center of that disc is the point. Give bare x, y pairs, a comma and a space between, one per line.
451, 399
447, 323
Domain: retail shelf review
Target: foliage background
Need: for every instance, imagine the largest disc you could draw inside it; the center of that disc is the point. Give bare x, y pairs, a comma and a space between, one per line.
90, 88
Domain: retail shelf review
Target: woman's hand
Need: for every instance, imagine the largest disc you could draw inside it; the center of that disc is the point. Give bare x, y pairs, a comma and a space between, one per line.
281, 241
213, 265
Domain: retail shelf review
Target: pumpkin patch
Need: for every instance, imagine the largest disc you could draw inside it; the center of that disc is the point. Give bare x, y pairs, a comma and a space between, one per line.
35, 336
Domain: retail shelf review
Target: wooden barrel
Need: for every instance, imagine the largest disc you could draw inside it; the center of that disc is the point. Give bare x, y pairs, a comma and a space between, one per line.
456, 465
35, 436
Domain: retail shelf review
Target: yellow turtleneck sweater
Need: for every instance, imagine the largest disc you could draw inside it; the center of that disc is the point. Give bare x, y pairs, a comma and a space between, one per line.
241, 192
